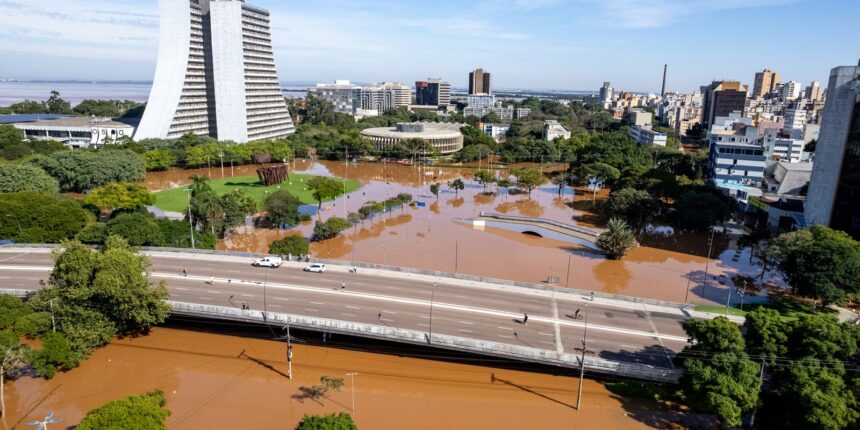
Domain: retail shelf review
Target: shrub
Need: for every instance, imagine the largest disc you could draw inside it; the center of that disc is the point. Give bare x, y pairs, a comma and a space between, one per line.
16, 178
290, 245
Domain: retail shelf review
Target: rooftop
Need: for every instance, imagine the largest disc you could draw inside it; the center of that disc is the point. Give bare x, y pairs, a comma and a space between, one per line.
82, 122
430, 130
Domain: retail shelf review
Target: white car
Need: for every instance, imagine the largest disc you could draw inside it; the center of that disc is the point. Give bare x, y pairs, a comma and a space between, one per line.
271, 262
316, 268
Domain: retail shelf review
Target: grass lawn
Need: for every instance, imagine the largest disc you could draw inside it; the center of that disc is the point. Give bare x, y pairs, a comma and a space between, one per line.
721, 310
788, 307
176, 200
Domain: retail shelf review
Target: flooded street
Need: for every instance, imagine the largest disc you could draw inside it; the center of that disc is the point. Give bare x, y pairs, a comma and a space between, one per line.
430, 237
217, 381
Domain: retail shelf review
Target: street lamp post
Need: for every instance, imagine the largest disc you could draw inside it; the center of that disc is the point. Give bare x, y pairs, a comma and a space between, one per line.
582, 360
221, 156
352, 376
708, 265
190, 222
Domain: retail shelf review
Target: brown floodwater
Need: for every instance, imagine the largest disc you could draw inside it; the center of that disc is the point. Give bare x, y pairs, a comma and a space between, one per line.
215, 381
431, 237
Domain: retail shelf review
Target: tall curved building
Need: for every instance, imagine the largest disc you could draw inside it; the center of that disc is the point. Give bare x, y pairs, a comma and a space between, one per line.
215, 75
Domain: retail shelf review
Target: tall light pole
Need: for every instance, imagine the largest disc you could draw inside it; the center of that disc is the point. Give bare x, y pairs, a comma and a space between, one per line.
432, 297
567, 282
352, 376
582, 360
708, 265
190, 222
221, 156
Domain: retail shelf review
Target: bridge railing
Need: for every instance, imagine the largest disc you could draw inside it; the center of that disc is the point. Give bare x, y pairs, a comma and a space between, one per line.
475, 346
577, 229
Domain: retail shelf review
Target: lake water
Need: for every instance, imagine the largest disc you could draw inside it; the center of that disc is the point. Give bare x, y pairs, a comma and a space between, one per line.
74, 92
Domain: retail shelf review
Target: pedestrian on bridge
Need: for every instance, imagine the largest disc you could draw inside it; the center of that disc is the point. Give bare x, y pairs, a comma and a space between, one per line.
576, 315
525, 318
184, 272
343, 285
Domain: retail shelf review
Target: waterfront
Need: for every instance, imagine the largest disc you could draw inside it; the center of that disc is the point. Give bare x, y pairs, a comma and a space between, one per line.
431, 238
220, 381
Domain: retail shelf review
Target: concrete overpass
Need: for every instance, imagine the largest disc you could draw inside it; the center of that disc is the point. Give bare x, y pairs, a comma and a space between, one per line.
627, 336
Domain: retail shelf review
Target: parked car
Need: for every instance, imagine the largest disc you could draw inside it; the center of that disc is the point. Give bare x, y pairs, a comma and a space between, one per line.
271, 262
316, 268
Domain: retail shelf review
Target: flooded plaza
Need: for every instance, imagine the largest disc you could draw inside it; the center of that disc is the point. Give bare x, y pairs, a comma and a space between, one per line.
216, 381
434, 236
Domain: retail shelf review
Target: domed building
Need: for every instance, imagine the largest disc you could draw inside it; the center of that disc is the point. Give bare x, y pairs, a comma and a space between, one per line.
446, 138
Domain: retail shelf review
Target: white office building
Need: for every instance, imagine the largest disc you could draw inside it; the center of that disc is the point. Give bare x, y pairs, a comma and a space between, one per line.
644, 135
385, 95
791, 90
345, 96
795, 119
553, 129
778, 149
215, 75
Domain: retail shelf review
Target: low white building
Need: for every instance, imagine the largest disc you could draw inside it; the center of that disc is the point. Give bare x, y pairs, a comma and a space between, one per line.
553, 129
779, 149
639, 117
79, 131
497, 131
646, 136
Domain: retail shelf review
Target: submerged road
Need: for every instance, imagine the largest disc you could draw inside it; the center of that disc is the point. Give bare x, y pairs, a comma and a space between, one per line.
627, 332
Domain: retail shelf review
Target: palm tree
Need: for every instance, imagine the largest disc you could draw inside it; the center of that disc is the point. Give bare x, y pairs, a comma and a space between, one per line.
617, 240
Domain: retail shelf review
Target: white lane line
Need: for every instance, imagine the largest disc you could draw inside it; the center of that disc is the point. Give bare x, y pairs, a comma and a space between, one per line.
311, 310
32, 279
246, 295
505, 328
317, 303
283, 300
386, 320
423, 325
12, 257
426, 317
465, 331
448, 306
348, 315
205, 298
275, 306
5, 277
627, 346
234, 271
547, 334
389, 312
466, 322
182, 289
353, 307
213, 292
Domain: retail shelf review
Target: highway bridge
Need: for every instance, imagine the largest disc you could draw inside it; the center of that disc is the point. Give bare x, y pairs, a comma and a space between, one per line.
623, 336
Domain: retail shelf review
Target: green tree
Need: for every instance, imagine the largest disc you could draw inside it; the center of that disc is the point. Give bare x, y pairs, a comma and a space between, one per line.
282, 208
82, 170
703, 209
434, 188
41, 218
16, 178
484, 178
206, 208
766, 334
617, 240
177, 234
528, 178
597, 173
120, 195
57, 105
719, 377
290, 245
634, 206
324, 188
56, 353
820, 263
236, 206
159, 159
138, 228
811, 394
340, 421
330, 228
145, 412
457, 185
12, 359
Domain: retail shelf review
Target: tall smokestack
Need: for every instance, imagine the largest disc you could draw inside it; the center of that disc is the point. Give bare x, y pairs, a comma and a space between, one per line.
665, 70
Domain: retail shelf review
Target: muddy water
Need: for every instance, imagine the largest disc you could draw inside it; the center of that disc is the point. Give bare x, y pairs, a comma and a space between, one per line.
227, 382
429, 237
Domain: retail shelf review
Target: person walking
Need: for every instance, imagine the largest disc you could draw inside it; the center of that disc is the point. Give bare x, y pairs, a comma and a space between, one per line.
184, 272
525, 318
576, 315
592, 296
343, 285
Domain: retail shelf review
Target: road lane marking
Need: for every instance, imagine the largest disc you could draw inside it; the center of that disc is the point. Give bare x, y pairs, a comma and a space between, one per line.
213, 292
246, 295
465, 331
205, 298
505, 336
182, 289
386, 320
547, 334
283, 300
317, 303
13, 257
348, 315
505, 328
627, 346
311, 310
423, 325
275, 306
353, 307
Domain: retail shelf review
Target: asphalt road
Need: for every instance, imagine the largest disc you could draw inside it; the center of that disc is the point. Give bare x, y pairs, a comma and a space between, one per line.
615, 332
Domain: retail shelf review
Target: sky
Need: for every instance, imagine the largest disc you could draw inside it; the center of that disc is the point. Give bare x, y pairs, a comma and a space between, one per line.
535, 44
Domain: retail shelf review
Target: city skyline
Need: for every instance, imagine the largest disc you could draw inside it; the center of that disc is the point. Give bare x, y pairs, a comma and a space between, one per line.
589, 42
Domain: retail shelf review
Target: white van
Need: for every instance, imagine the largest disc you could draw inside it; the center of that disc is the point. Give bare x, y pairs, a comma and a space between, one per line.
271, 262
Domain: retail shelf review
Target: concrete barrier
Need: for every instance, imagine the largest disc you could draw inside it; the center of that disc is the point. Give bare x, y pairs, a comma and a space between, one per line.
474, 346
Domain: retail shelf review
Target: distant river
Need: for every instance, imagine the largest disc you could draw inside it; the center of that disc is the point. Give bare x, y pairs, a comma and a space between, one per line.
74, 92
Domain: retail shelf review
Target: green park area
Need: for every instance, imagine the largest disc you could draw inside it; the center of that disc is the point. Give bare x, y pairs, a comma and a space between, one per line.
176, 199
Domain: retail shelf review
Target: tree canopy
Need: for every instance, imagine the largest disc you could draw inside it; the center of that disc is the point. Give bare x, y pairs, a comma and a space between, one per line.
83, 170
16, 178
120, 195
617, 240
144, 412
282, 208
340, 421
41, 218
324, 188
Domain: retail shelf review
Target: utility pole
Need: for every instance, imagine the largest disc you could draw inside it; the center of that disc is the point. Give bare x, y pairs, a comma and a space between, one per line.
456, 256
567, 282
352, 376
53, 321
190, 222
289, 350
708, 265
582, 361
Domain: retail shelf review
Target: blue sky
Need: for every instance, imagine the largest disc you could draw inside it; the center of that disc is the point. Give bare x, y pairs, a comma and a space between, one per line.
564, 44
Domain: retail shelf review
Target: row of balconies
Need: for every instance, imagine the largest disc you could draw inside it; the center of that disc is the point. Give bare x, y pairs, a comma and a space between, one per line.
254, 114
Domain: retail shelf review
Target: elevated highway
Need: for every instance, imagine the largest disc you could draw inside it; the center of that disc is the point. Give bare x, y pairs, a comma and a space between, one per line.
625, 337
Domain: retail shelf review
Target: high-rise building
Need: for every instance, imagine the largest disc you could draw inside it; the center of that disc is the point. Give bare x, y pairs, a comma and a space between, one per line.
432, 92
834, 190
814, 92
721, 98
791, 91
215, 75
479, 82
345, 96
765, 82
385, 95
605, 93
